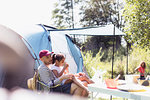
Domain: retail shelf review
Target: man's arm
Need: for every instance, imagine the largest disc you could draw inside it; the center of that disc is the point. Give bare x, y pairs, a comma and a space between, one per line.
47, 77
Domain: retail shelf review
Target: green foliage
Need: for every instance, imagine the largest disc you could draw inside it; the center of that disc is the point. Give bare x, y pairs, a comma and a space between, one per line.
92, 12
137, 22
62, 14
90, 61
94, 43
136, 55
100, 12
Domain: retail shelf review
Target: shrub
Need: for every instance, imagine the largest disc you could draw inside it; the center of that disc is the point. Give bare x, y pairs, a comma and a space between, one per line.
136, 55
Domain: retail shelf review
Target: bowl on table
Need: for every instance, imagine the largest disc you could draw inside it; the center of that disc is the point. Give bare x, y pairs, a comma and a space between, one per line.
132, 79
144, 82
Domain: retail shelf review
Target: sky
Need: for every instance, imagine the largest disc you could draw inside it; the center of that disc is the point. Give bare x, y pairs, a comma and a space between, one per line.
19, 12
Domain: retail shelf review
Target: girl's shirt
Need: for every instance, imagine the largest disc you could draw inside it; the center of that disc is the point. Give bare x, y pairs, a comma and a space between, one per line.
141, 70
58, 69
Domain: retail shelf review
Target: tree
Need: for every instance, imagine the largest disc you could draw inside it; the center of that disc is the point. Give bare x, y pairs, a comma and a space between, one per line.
101, 12
137, 22
97, 13
63, 14
93, 13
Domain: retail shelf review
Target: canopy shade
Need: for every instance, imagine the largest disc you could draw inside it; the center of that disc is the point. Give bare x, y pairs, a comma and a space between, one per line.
105, 30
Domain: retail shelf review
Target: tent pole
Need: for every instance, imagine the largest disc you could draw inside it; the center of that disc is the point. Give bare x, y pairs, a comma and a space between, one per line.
127, 60
72, 14
113, 52
73, 20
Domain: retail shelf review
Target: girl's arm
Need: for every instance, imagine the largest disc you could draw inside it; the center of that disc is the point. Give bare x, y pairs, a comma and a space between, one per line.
136, 69
63, 70
58, 74
61, 73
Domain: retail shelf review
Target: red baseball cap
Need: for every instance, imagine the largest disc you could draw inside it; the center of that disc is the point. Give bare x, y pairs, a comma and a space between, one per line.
45, 53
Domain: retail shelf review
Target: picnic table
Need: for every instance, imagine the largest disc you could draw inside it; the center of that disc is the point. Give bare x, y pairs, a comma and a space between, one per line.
98, 87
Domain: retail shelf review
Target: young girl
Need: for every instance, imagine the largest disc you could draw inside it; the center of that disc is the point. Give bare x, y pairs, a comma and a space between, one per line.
141, 69
58, 70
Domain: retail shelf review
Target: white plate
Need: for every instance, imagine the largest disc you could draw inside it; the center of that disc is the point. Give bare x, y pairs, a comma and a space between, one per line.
131, 88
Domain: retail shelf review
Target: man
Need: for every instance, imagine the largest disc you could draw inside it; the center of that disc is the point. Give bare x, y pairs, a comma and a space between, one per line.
47, 76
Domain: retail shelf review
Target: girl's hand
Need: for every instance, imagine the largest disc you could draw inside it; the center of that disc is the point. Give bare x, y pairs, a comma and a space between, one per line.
81, 74
66, 65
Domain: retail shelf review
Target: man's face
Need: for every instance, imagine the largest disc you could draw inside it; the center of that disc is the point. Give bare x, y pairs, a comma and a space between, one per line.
47, 59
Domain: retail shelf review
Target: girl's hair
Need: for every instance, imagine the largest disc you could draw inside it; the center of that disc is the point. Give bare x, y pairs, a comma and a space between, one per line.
143, 64
58, 57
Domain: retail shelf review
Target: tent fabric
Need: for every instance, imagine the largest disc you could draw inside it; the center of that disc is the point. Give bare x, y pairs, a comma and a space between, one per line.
36, 39
106, 30
20, 47
16, 62
76, 55
60, 45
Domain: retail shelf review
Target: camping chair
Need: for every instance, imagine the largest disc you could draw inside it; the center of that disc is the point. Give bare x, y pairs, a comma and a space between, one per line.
32, 82
41, 84
36, 84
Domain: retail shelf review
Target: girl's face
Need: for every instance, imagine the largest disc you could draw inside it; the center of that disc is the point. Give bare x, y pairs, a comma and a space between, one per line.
143, 64
61, 63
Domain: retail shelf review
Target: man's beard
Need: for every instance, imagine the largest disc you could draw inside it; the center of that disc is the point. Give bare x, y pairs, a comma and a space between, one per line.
47, 63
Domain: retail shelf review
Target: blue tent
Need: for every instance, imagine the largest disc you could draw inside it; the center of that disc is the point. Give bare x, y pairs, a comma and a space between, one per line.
37, 38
